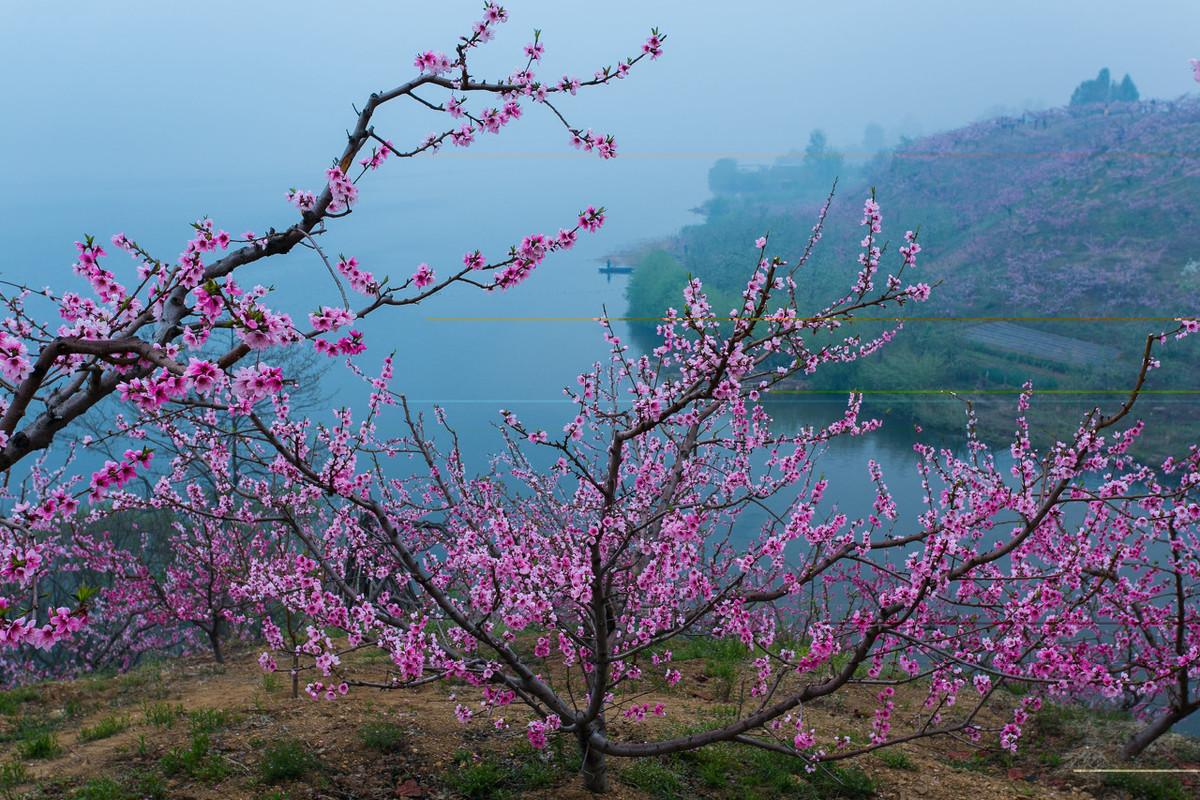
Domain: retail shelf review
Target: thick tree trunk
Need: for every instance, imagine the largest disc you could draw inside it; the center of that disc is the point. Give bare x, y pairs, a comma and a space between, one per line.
214, 638
1160, 725
594, 770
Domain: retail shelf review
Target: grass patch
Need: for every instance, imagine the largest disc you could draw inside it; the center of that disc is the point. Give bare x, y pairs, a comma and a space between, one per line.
109, 726
12, 700
196, 760
24, 728
385, 737
742, 773
1060, 720
654, 778
42, 745
285, 760
12, 774
1148, 787
842, 782
162, 715
972, 763
136, 679
149, 786
523, 770
896, 759
271, 683
141, 786
207, 720
480, 779
100, 789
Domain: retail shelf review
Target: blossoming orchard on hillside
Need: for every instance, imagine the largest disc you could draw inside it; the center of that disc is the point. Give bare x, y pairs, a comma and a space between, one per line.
549, 584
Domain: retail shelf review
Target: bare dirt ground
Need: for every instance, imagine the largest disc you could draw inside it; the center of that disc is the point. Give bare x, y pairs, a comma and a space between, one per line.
193, 730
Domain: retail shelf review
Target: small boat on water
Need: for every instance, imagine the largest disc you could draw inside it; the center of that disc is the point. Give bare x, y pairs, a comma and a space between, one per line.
609, 270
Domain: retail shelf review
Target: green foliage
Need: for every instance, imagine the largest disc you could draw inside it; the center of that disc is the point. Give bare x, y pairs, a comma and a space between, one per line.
140, 786
207, 720
109, 726
285, 760
1126, 92
724, 176
523, 770
42, 745
654, 778
386, 737
736, 772
1147, 787
24, 728
477, 779
12, 700
149, 786
140, 677
656, 284
12, 774
196, 760
100, 789
1103, 89
271, 683
822, 165
842, 782
976, 762
1097, 90
162, 714
897, 759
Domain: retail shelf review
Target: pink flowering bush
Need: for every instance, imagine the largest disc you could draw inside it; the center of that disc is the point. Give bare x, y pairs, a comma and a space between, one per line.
582, 553
667, 506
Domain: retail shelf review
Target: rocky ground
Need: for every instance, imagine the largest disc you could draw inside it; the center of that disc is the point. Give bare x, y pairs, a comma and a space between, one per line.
191, 729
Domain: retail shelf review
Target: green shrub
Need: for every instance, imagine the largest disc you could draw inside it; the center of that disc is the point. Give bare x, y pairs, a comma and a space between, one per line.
1147, 787
162, 714
149, 785
12, 774
11, 700
100, 789
196, 760
479, 780
284, 760
386, 737
43, 745
842, 782
207, 720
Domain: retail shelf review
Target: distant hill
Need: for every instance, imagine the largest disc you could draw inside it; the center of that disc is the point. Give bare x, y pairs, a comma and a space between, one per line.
1085, 211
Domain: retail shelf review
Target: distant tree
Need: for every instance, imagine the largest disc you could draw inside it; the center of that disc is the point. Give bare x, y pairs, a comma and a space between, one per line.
873, 138
1126, 92
1102, 89
723, 176
821, 164
818, 146
1093, 91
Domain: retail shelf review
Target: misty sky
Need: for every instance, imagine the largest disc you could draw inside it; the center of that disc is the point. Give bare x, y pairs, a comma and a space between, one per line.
233, 86
140, 115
